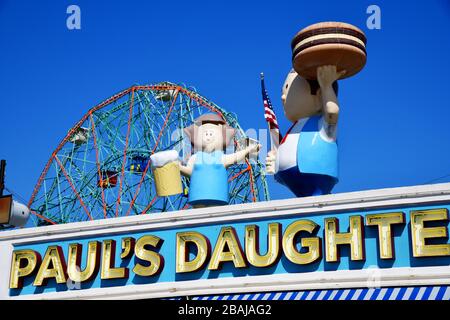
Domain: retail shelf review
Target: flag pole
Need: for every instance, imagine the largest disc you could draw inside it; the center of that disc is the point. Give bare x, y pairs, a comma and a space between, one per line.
268, 125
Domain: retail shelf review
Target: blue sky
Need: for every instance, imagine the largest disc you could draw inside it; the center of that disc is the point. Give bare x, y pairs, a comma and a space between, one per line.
394, 122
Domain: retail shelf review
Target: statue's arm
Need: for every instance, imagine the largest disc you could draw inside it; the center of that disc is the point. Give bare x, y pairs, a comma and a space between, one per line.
326, 76
229, 159
330, 105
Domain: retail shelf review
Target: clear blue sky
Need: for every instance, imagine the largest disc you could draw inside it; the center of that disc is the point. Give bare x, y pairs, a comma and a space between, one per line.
394, 124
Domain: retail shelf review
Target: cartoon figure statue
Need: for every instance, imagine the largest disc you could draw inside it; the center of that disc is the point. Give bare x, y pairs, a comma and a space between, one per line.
306, 160
207, 167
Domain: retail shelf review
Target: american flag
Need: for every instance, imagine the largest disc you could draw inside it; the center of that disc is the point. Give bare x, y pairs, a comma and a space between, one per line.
269, 114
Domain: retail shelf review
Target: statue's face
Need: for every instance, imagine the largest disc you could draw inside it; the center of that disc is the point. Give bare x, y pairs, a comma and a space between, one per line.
298, 102
209, 137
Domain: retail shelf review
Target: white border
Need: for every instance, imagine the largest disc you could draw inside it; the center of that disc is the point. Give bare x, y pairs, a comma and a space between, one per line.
373, 199
428, 276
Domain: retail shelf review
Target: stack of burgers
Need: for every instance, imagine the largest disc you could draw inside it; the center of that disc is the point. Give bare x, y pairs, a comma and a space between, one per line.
329, 43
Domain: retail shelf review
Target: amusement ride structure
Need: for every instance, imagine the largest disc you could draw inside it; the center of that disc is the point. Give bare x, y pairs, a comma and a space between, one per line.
101, 168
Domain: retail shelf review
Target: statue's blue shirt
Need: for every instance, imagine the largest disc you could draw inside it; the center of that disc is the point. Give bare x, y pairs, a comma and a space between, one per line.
209, 180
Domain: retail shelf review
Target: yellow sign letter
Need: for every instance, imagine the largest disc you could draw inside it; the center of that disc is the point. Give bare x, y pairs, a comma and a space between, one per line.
227, 238
313, 243
354, 238
19, 269
252, 245
74, 262
420, 233
385, 239
108, 261
53, 256
182, 256
155, 259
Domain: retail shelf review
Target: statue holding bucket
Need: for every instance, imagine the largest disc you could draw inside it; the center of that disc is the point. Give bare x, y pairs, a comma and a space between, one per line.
207, 168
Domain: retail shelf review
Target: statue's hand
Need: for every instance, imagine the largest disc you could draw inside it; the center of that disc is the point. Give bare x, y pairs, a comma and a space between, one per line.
185, 170
271, 162
255, 148
326, 75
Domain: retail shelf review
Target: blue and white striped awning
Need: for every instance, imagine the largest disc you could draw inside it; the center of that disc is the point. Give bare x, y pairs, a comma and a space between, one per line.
391, 293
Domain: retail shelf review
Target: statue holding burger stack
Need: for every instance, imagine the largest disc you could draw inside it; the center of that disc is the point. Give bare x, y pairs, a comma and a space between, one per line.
306, 159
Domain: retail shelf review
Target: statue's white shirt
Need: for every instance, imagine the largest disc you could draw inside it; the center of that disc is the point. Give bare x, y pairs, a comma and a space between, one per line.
287, 151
